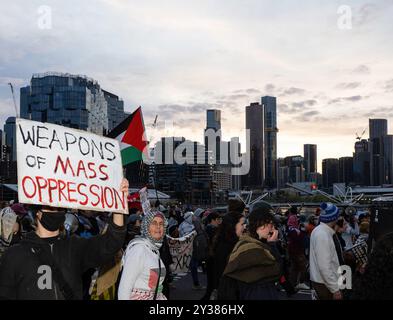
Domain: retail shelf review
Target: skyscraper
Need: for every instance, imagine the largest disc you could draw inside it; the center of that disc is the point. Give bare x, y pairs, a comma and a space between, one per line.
345, 167
330, 172
213, 122
310, 159
190, 181
388, 158
296, 168
270, 112
378, 129
213, 119
1, 144
71, 100
255, 123
10, 137
361, 163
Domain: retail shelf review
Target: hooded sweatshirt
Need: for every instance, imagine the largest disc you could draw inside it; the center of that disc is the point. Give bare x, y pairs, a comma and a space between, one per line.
187, 225
21, 269
295, 237
141, 269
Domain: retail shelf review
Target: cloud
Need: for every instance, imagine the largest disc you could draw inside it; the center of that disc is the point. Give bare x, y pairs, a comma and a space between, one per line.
384, 112
253, 91
354, 98
186, 123
6, 110
361, 69
270, 87
348, 85
307, 116
293, 90
238, 96
297, 107
248, 91
172, 107
349, 99
304, 104
366, 14
283, 91
172, 111
389, 85
311, 113
15, 81
284, 108
201, 107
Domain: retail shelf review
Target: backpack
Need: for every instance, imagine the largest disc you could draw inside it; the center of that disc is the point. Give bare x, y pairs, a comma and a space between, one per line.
201, 246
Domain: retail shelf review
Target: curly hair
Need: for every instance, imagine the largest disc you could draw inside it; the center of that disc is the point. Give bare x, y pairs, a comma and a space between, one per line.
377, 280
258, 218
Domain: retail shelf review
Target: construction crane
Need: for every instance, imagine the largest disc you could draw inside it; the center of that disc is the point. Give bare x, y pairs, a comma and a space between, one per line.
13, 97
361, 136
152, 173
155, 121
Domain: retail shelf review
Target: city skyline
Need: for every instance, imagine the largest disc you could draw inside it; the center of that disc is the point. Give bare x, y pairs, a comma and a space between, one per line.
378, 126
179, 60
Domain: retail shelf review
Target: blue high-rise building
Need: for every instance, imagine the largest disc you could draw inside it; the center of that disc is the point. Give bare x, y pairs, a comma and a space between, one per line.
310, 159
71, 100
378, 129
213, 121
2, 143
270, 109
255, 123
388, 158
10, 138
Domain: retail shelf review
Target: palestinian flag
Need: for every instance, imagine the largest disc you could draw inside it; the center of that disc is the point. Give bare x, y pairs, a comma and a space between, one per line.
131, 135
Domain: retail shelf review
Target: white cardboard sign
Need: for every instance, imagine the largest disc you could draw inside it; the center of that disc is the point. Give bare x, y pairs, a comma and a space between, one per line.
68, 168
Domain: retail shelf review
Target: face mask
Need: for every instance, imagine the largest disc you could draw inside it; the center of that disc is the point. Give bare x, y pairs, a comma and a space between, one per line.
52, 221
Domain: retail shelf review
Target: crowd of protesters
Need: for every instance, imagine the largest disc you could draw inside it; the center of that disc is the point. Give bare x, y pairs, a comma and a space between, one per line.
248, 253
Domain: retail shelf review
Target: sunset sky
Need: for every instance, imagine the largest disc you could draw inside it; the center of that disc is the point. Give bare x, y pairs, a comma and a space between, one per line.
178, 58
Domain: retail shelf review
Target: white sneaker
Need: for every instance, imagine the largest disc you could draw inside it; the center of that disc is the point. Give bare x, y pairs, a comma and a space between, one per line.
302, 286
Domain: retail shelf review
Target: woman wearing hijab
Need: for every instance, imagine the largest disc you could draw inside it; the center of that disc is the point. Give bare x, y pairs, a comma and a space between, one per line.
143, 269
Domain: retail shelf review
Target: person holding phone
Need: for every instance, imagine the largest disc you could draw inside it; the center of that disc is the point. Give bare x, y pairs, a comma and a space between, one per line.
253, 268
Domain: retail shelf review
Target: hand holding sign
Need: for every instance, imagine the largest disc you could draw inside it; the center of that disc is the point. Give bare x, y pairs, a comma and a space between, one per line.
118, 219
124, 187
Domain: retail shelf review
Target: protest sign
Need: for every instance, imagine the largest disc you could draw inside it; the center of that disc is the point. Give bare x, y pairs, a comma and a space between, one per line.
181, 251
64, 167
144, 200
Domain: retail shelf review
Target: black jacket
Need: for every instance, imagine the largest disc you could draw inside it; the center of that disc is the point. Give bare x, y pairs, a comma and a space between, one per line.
219, 260
19, 266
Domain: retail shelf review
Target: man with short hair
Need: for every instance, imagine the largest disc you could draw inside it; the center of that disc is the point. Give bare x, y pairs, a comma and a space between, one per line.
45, 266
324, 262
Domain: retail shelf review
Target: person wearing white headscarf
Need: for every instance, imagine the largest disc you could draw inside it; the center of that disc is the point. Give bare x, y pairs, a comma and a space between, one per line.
143, 269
